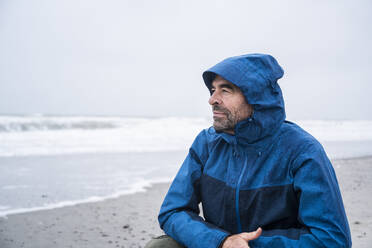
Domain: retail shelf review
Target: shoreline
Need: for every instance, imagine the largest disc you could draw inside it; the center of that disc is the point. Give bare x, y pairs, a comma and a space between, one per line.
79, 178
130, 220
144, 186
94, 199
126, 221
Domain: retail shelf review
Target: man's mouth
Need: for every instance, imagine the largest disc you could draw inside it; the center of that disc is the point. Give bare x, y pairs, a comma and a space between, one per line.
219, 114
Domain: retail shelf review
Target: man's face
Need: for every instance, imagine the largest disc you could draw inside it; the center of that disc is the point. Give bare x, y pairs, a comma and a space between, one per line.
228, 104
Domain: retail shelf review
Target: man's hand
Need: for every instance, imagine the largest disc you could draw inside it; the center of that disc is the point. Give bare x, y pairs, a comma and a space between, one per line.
241, 240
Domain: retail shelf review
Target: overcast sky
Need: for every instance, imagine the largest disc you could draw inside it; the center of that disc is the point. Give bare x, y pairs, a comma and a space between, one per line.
145, 58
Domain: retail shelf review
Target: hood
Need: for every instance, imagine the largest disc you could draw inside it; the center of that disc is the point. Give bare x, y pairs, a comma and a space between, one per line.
256, 75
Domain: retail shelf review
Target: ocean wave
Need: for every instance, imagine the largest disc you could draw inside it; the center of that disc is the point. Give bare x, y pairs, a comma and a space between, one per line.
42, 123
43, 135
129, 135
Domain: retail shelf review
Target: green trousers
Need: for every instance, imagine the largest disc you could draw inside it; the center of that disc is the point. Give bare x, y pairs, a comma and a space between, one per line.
163, 241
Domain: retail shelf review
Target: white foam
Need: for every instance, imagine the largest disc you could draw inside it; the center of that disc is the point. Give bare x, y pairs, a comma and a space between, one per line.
137, 187
135, 134
4, 207
131, 135
12, 187
358, 130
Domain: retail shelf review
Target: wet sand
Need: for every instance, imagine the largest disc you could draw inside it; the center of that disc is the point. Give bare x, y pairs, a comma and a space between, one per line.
130, 221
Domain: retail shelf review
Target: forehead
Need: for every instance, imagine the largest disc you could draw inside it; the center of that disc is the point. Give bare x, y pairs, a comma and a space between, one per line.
221, 82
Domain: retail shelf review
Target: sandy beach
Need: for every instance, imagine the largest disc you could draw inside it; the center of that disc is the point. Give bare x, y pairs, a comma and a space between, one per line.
130, 220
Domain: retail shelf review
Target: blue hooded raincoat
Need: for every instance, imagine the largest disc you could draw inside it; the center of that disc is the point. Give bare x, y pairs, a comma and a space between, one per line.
270, 174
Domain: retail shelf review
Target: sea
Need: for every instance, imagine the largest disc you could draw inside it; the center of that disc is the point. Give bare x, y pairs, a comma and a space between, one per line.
49, 162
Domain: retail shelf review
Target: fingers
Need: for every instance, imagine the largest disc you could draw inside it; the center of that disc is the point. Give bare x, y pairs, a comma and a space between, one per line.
258, 232
247, 236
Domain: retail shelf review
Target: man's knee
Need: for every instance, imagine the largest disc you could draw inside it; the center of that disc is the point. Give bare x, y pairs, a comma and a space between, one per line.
163, 241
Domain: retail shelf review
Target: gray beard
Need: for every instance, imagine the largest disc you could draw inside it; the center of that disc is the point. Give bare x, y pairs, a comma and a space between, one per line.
223, 125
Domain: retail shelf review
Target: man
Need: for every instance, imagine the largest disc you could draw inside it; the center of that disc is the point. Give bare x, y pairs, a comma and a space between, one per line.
262, 181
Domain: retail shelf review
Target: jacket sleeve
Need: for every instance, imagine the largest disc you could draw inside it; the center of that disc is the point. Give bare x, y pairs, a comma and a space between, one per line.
320, 211
179, 213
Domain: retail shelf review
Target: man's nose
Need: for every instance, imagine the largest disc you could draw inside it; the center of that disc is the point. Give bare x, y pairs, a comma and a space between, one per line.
214, 99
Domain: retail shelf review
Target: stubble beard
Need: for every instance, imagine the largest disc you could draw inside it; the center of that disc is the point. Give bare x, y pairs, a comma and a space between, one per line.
227, 123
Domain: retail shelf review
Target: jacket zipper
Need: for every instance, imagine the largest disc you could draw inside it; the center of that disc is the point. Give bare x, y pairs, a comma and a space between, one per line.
238, 189
237, 196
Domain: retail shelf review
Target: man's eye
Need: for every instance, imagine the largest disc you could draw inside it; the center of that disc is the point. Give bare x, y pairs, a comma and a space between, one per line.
212, 91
